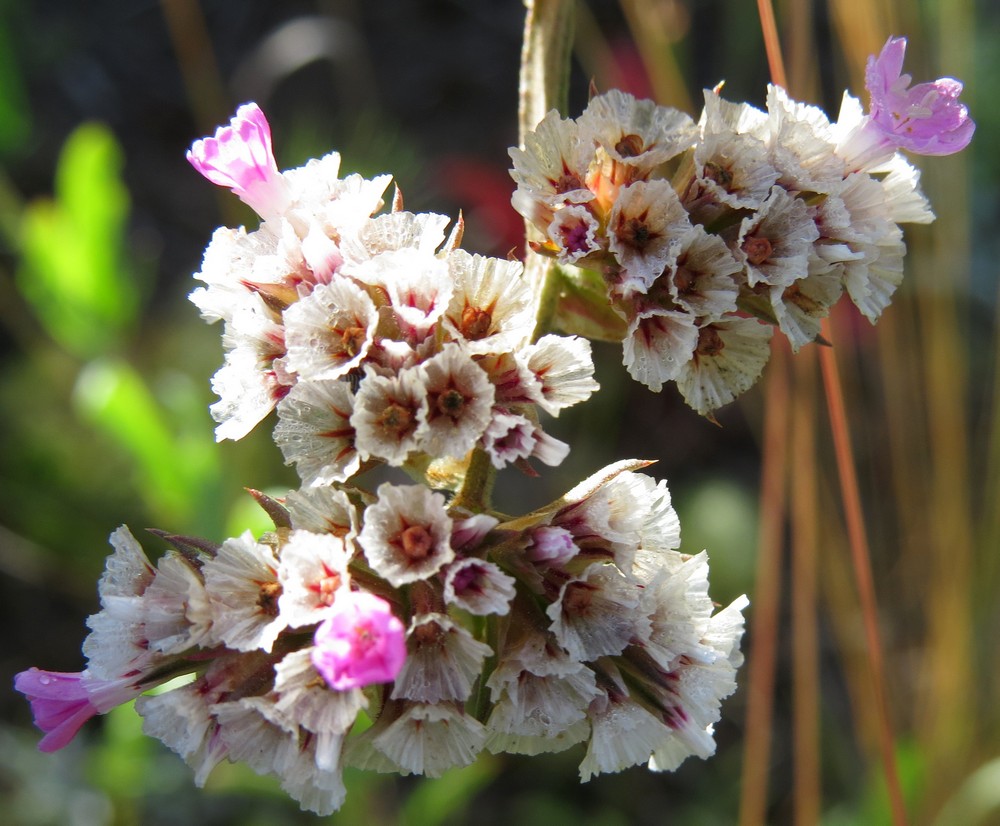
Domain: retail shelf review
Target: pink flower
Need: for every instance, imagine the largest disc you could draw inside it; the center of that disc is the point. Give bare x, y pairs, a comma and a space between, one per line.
361, 642
926, 119
240, 157
61, 703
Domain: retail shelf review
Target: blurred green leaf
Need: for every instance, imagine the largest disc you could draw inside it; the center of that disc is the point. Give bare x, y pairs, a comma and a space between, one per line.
436, 800
115, 399
72, 269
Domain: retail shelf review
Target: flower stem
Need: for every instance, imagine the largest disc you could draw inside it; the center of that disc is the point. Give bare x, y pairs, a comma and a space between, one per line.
860, 555
477, 487
544, 85
861, 560
767, 590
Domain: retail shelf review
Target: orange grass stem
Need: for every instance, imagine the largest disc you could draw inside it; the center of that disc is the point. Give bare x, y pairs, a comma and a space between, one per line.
772, 45
860, 555
767, 593
803, 476
861, 560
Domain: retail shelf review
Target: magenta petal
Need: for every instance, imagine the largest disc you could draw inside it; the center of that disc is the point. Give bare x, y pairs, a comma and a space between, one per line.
240, 157
360, 643
60, 704
928, 118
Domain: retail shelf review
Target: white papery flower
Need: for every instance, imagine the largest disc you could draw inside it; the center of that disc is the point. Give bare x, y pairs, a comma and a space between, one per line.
636, 134
728, 360
701, 275
181, 719
303, 696
176, 611
388, 410
645, 222
442, 662
238, 265
540, 698
901, 189
511, 437
407, 533
253, 378
551, 169
596, 614
242, 584
314, 432
323, 510
731, 159
312, 570
417, 285
418, 738
574, 231
563, 367
459, 403
801, 307
329, 332
341, 206
623, 734
115, 644
775, 244
255, 733
423, 232
513, 380
802, 144
490, 309
658, 343
862, 243
478, 586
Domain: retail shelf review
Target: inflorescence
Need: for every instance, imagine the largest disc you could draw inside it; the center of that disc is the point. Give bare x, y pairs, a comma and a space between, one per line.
408, 628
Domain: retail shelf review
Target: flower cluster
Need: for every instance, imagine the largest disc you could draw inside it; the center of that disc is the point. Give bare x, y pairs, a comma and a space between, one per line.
601, 632
377, 338
410, 627
709, 235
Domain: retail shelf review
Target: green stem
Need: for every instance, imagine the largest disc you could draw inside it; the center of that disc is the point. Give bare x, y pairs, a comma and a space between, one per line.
474, 495
544, 85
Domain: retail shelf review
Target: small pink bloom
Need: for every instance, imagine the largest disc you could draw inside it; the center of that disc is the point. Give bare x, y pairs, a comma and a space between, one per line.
926, 119
361, 642
61, 703
240, 157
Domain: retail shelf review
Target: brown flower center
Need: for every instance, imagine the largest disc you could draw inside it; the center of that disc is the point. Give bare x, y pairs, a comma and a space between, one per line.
635, 233
352, 340
718, 173
710, 343
417, 542
267, 600
451, 403
577, 598
630, 146
475, 323
395, 419
758, 249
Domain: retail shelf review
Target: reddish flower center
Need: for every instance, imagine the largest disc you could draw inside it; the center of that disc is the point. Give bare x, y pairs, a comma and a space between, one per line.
710, 343
395, 419
475, 323
267, 600
758, 249
630, 146
417, 542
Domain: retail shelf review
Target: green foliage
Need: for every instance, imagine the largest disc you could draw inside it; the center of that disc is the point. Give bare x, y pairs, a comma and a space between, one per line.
114, 399
72, 269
